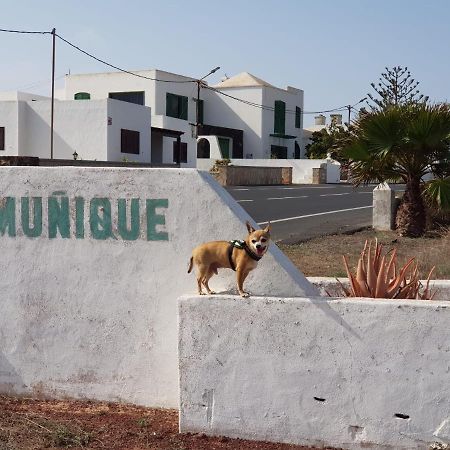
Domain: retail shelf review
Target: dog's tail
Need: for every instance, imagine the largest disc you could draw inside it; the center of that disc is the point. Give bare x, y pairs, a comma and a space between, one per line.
190, 265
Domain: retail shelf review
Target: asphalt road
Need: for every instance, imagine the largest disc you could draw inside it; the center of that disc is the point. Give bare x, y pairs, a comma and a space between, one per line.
300, 212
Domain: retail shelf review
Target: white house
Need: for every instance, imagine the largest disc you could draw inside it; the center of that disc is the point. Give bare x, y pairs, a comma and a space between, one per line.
269, 120
172, 103
107, 129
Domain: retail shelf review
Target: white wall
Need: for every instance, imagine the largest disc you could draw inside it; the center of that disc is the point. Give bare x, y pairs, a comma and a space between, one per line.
89, 317
302, 169
128, 116
315, 371
9, 119
226, 112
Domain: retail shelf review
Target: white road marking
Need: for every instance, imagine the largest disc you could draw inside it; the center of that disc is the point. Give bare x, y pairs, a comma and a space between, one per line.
240, 201
241, 189
283, 198
316, 214
329, 195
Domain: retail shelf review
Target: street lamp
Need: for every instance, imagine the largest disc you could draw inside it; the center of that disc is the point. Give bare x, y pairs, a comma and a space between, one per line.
349, 107
199, 81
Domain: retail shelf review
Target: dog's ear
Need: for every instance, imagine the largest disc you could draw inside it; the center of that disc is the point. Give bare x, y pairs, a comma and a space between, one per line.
268, 228
249, 227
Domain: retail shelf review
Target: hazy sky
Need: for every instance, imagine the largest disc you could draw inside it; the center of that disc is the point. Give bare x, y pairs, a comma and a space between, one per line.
332, 50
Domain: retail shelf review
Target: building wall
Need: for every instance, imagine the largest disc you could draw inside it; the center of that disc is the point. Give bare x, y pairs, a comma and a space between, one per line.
227, 112
350, 373
9, 119
130, 117
88, 306
292, 98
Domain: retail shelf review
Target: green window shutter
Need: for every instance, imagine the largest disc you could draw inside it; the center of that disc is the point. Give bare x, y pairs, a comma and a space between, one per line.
171, 105
280, 117
82, 96
200, 112
183, 104
298, 117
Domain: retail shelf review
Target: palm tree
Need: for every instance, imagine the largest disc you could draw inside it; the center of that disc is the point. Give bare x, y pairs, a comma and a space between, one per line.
404, 143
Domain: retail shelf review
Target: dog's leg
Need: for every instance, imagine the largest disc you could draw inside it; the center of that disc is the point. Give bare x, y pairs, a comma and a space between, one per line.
207, 278
241, 275
202, 273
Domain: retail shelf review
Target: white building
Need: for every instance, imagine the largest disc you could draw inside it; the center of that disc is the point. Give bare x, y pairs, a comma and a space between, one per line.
271, 131
107, 129
172, 103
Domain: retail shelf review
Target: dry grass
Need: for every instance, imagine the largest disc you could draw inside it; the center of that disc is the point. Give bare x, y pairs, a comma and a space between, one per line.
322, 257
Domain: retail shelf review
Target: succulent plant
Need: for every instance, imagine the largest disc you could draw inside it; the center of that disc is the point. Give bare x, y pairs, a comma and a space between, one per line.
377, 276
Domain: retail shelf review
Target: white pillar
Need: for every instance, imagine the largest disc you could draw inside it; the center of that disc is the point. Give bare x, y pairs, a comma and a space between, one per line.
383, 207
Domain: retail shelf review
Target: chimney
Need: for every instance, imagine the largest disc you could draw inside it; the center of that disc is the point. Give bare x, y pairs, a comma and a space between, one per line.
319, 120
336, 119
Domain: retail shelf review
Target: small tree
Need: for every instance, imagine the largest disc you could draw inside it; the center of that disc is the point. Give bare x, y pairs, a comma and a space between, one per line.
396, 87
326, 141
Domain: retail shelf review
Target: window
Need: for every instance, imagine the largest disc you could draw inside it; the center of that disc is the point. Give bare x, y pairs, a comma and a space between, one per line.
137, 97
176, 106
82, 96
2, 138
129, 141
298, 117
278, 152
182, 153
279, 126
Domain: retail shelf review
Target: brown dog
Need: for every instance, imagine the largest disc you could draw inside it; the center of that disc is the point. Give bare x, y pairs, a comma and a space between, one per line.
241, 256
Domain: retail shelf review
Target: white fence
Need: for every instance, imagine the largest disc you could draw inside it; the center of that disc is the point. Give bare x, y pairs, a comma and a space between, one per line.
302, 169
351, 373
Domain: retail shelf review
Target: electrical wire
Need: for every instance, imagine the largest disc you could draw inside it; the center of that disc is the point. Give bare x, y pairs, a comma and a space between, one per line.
247, 102
118, 68
24, 32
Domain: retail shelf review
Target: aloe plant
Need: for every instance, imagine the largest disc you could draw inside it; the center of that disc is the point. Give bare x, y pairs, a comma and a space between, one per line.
377, 276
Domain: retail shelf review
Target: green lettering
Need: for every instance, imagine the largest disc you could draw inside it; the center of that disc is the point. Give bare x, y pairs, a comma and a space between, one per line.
79, 217
154, 219
101, 227
8, 216
36, 230
133, 233
58, 216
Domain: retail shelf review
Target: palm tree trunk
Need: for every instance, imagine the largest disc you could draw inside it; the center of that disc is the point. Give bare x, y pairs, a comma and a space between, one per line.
411, 219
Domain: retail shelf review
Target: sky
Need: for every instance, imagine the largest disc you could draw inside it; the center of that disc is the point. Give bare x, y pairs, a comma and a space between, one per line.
332, 50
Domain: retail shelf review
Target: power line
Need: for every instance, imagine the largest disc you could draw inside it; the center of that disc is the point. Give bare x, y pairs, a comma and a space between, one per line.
119, 68
25, 32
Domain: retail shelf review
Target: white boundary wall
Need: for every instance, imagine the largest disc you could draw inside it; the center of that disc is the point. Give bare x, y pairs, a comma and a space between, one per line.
351, 373
86, 312
302, 169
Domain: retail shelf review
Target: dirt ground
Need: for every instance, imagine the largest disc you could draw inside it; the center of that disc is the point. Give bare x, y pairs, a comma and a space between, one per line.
30, 424
322, 257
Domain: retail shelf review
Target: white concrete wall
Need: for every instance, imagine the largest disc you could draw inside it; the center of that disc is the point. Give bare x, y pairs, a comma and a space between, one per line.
302, 169
9, 119
316, 372
85, 315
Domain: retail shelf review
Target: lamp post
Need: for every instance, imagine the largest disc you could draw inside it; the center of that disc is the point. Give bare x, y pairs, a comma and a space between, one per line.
197, 115
349, 107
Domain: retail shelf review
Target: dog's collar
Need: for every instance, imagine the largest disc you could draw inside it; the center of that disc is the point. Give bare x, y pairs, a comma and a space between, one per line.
243, 246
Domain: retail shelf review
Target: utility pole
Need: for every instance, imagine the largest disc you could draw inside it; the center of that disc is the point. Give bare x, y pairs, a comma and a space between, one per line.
53, 94
199, 82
